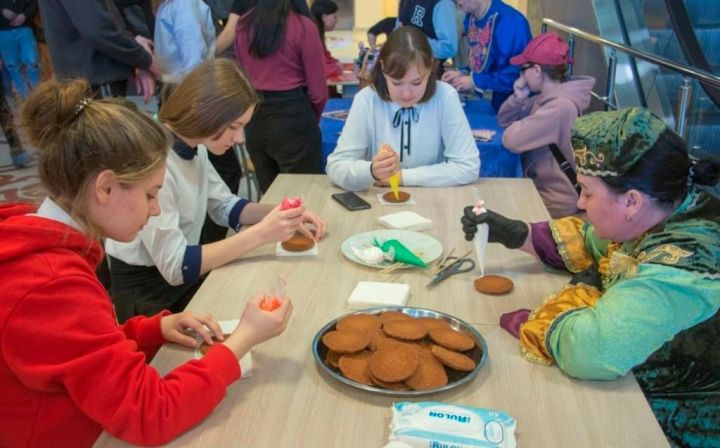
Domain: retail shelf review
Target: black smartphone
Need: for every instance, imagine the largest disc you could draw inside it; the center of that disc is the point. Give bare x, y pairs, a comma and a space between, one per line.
351, 201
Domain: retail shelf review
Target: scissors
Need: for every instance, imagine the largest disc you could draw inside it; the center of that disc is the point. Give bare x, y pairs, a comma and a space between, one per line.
459, 266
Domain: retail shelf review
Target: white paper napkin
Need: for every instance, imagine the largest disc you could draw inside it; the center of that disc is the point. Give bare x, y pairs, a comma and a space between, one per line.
246, 364
384, 202
369, 294
280, 252
406, 221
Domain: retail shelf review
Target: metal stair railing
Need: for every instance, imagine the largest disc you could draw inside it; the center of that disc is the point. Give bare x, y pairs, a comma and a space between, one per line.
688, 73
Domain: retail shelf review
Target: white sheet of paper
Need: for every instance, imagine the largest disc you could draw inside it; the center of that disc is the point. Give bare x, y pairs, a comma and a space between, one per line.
406, 221
246, 364
370, 294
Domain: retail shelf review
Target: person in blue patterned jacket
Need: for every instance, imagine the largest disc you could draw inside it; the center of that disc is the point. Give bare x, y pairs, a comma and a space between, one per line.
495, 32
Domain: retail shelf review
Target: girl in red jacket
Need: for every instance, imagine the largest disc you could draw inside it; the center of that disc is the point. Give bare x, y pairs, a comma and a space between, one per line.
67, 370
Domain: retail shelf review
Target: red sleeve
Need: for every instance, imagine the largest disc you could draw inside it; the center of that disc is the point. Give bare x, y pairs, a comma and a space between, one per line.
62, 338
313, 59
146, 332
332, 65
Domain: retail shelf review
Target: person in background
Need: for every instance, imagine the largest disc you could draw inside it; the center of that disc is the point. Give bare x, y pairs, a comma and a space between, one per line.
68, 371
227, 36
112, 58
18, 48
538, 127
325, 15
20, 158
279, 47
382, 27
645, 294
137, 16
408, 109
495, 33
184, 37
46, 69
166, 263
436, 19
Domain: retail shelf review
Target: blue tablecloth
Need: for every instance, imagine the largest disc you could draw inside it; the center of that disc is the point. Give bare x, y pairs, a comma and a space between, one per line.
495, 160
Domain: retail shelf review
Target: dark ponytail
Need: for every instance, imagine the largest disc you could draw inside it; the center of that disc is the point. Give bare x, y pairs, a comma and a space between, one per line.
665, 171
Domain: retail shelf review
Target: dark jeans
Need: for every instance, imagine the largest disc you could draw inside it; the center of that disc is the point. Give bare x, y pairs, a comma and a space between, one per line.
110, 89
284, 136
228, 167
142, 290
6, 122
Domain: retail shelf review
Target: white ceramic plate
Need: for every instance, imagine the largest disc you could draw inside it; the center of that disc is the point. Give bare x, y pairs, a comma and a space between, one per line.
425, 247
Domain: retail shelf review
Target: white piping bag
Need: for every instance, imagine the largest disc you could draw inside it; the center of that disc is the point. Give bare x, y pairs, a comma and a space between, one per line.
481, 235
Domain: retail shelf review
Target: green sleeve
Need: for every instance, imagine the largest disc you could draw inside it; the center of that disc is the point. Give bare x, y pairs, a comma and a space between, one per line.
631, 320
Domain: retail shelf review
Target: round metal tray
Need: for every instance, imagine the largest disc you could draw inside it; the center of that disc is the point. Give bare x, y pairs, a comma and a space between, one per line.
455, 378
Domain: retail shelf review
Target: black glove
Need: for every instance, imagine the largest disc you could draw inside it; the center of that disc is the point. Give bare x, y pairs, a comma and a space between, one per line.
511, 233
590, 276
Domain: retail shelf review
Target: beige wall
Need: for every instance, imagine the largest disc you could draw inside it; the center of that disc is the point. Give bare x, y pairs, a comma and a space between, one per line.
367, 12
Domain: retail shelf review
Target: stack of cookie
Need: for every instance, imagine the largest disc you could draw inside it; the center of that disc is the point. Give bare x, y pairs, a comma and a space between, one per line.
396, 351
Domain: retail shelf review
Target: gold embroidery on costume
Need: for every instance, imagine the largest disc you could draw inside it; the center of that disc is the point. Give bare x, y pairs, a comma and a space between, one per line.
604, 261
532, 357
665, 254
570, 243
623, 264
586, 160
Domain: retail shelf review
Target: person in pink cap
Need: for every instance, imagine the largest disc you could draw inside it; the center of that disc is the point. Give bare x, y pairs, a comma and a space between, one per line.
538, 117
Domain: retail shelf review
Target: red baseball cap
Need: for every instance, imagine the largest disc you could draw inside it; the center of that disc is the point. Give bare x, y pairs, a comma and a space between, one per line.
546, 49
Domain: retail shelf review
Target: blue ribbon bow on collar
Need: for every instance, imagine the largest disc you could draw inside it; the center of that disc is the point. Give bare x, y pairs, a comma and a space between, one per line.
403, 119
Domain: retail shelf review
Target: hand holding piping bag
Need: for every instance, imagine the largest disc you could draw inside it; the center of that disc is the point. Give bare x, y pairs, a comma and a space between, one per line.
290, 203
385, 166
273, 301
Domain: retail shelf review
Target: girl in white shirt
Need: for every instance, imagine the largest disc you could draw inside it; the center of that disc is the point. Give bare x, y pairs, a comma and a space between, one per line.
419, 118
163, 267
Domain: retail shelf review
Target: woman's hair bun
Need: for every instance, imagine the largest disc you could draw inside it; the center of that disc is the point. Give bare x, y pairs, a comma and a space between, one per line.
706, 172
50, 108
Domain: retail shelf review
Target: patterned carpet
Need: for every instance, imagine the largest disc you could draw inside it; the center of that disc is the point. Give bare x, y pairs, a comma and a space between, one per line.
18, 184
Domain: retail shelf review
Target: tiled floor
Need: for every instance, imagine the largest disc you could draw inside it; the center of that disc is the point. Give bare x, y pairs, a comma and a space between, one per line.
23, 184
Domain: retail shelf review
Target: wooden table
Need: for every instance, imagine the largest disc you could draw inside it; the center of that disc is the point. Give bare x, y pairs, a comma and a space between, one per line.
288, 402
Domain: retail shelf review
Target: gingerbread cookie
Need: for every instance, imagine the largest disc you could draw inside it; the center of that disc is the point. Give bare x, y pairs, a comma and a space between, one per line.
493, 284
298, 243
431, 323
429, 374
359, 322
452, 339
355, 367
452, 359
377, 340
346, 341
332, 358
398, 385
401, 197
407, 330
387, 316
392, 363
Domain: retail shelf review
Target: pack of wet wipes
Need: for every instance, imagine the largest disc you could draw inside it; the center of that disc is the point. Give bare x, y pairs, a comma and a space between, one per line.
441, 425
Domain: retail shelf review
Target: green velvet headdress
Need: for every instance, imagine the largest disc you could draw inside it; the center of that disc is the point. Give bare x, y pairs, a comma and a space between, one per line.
608, 144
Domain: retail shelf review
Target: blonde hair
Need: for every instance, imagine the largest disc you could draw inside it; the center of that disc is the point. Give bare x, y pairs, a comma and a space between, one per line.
208, 100
79, 137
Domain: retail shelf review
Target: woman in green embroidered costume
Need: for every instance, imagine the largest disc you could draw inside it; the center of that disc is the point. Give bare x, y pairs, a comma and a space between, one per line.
645, 292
